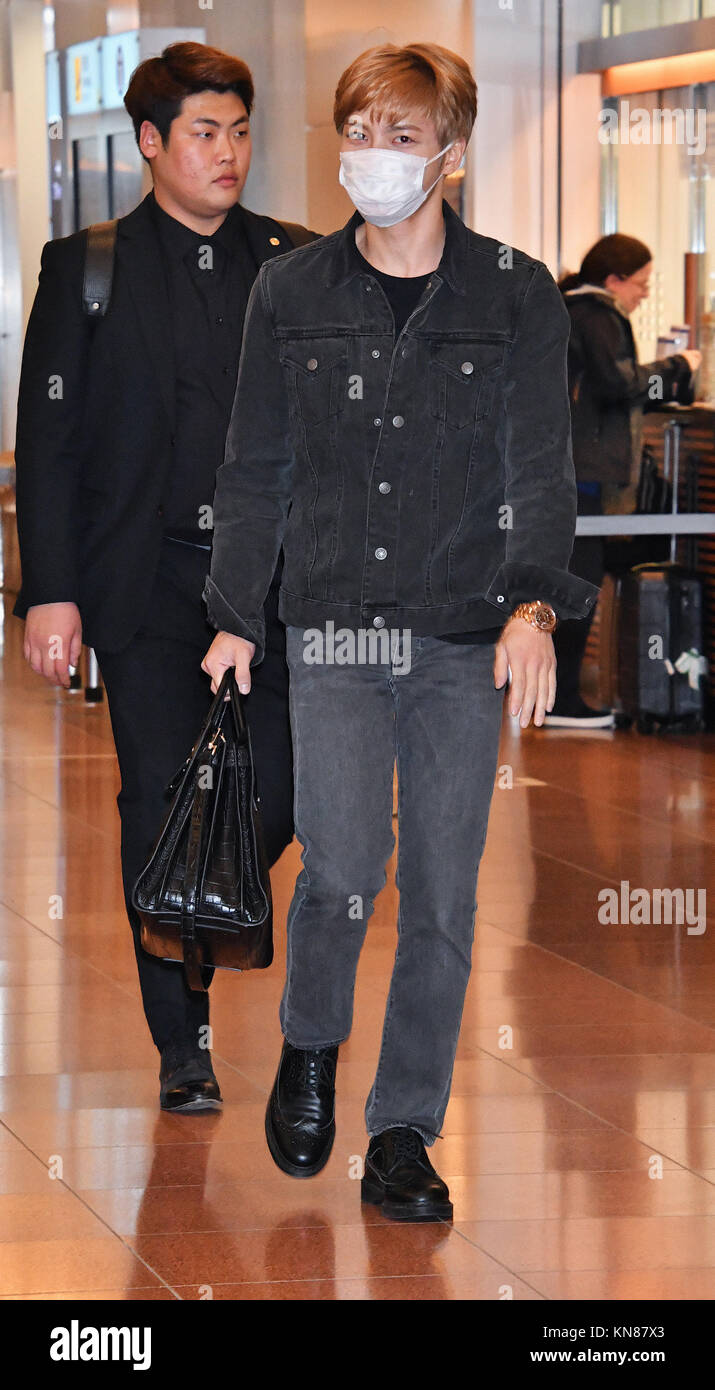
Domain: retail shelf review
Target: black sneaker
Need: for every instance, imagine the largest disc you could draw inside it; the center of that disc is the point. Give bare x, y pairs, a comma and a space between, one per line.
576, 714
186, 1078
400, 1178
300, 1117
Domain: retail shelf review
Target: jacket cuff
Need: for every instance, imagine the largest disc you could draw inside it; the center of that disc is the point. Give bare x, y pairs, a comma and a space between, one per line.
26, 599
517, 582
223, 617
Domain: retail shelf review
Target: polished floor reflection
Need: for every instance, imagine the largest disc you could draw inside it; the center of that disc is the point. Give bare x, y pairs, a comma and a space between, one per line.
579, 1143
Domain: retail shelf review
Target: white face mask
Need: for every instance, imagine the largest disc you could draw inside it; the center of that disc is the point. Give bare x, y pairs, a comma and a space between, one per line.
386, 185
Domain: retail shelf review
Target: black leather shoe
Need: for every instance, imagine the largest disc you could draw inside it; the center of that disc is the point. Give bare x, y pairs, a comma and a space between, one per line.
300, 1118
187, 1079
400, 1178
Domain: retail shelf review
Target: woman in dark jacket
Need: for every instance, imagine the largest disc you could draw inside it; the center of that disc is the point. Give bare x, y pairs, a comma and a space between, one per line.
609, 391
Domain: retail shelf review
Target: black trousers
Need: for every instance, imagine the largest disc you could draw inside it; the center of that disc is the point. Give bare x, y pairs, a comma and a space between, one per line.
158, 698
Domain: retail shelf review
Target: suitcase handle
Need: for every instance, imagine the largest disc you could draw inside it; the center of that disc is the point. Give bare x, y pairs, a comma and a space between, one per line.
671, 449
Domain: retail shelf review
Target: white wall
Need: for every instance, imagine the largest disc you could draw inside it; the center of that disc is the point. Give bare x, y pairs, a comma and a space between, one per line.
581, 151
27, 60
514, 191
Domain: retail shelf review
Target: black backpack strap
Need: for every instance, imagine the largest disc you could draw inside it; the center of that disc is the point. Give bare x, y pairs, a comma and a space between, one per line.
99, 268
297, 234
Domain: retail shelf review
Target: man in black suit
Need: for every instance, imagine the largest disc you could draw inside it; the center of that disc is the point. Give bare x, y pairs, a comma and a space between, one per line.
121, 428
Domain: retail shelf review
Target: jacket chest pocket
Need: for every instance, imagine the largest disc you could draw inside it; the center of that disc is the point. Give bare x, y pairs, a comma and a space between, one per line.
461, 380
318, 377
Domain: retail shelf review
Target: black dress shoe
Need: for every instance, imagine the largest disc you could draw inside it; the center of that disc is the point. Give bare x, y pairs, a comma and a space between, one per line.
300, 1118
400, 1178
187, 1079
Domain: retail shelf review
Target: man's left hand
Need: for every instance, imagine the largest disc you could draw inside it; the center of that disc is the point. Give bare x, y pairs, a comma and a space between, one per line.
531, 657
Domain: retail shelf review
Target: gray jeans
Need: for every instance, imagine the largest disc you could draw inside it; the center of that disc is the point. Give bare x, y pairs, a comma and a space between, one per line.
440, 719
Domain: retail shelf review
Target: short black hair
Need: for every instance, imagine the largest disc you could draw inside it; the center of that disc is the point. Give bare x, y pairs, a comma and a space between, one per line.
159, 86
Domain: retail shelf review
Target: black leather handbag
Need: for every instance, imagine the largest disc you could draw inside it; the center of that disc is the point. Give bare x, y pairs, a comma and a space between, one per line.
204, 897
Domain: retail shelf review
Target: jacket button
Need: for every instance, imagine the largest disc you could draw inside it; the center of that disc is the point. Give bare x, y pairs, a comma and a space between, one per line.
500, 598
312, 364
380, 553
160, 511
377, 420
467, 368
398, 421
376, 352
378, 621
385, 487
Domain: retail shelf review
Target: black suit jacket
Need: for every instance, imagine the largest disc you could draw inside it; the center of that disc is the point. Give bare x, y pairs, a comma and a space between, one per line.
96, 416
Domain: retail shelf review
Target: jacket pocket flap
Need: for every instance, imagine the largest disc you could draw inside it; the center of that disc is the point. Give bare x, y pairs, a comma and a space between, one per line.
313, 356
468, 359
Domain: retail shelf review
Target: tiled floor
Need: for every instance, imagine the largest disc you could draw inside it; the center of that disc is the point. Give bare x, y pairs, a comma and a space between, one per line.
579, 1142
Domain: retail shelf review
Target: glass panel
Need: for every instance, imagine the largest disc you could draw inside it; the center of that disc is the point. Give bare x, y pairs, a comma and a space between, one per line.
91, 182
126, 173
665, 198
626, 16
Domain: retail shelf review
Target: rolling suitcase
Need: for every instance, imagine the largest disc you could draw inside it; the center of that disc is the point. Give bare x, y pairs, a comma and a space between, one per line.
660, 651
660, 634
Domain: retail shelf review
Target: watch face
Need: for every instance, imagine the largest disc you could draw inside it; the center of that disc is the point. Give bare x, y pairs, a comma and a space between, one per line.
544, 617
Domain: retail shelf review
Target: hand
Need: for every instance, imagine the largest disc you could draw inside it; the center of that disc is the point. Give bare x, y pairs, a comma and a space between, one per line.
532, 659
53, 640
228, 650
693, 358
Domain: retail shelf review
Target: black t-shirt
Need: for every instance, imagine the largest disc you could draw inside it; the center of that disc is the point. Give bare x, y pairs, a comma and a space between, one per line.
403, 294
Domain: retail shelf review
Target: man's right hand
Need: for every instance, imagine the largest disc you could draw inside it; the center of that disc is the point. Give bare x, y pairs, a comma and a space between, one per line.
228, 650
53, 640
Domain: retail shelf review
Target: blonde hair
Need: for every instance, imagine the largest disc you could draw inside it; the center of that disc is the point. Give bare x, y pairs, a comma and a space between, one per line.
389, 81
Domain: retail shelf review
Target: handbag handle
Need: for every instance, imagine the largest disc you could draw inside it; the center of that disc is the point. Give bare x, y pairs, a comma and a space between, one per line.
215, 718
227, 686
213, 721
192, 963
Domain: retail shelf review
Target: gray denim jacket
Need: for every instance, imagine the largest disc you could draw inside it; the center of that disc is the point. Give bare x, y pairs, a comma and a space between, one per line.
426, 483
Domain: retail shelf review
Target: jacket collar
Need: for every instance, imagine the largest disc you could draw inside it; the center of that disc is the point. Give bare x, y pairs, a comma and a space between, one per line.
596, 292
590, 289
180, 239
345, 265
266, 237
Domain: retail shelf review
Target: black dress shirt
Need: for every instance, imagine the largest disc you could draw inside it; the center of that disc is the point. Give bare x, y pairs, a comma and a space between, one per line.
208, 279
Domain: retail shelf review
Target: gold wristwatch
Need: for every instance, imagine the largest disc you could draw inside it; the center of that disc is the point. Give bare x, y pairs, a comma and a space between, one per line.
540, 615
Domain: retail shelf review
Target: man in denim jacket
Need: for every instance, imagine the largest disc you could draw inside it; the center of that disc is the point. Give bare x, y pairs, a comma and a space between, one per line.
401, 428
